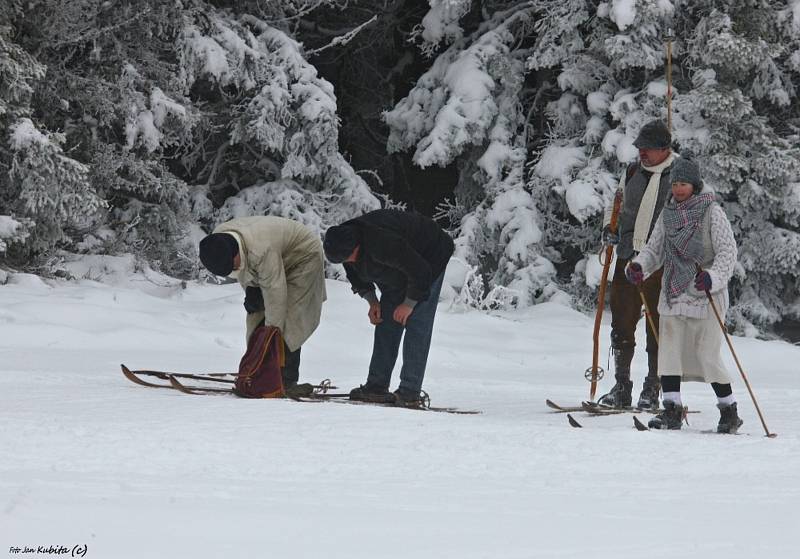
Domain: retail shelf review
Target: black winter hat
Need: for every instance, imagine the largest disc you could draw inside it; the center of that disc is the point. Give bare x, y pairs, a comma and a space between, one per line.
653, 135
686, 170
217, 252
340, 241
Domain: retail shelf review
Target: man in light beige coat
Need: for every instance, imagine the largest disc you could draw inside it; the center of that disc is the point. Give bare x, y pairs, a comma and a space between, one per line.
279, 264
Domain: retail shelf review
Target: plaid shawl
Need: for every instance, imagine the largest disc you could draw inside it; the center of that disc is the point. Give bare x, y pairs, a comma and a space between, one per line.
683, 246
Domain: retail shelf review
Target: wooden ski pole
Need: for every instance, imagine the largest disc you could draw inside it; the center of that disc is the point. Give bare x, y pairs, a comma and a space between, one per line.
736, 358
595, 373
650, 321
669, 38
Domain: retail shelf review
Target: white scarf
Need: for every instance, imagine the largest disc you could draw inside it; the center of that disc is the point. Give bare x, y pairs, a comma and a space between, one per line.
649, 201
242, 257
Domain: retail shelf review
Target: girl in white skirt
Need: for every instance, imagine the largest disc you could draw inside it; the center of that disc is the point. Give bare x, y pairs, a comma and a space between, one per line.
692, 230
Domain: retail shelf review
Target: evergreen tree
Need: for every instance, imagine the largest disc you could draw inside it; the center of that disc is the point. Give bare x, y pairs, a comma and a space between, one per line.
137, 126
468, 106
19, 73
735, 116
166, 110
49, 188
593, 74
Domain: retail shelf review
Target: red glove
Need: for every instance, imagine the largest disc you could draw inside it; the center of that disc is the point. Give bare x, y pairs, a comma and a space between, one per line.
702, 281
634, 273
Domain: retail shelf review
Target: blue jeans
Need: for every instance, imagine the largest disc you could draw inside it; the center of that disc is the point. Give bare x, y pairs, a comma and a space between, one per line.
416, 344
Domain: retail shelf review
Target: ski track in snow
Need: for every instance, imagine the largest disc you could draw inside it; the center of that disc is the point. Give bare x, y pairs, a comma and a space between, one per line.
89, 458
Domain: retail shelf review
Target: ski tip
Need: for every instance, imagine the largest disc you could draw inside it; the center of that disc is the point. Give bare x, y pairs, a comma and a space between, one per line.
573, 422
639, 425
124, 368
552, 405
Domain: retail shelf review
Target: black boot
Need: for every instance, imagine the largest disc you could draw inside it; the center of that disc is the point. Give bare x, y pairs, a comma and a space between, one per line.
291, 366
620, 394
372, 393
648, 399
671, 418
408, 398
729, 420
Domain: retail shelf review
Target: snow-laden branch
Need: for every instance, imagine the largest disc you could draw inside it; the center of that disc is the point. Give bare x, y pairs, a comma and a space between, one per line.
88, 34
343, 39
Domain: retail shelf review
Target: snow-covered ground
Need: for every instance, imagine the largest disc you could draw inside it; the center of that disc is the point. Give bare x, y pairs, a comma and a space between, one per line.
87, 458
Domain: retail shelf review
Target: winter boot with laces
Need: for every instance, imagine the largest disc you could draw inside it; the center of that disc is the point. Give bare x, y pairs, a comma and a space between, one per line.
408, 398
620, 395
372, 393
729, 420
670, 418
648, 399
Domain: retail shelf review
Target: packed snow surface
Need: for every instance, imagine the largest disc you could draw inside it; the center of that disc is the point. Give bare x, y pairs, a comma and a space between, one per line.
90, 459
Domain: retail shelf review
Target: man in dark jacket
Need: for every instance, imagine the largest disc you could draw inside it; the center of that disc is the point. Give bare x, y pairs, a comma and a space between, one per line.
405, 255
645, 187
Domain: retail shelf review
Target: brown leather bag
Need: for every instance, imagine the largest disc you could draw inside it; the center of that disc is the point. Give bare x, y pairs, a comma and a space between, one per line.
260, 367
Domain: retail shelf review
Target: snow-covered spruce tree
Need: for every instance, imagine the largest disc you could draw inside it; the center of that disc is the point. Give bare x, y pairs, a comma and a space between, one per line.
49, 188
19, 73
283, 121
175, 107
47, 194
597, 74
539, 130
741, 119
735, 110
602, 68
468, 107
104, 62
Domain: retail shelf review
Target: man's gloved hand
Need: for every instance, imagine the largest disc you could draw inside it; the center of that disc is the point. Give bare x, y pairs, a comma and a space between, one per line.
608, 237
634, 273
253, 300
702, 281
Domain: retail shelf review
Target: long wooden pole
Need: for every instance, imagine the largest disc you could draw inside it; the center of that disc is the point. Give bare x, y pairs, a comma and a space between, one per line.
601, 298
650, 320
670, 36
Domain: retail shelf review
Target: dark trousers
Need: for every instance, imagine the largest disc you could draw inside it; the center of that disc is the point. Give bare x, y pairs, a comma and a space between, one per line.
416, 343
626, 308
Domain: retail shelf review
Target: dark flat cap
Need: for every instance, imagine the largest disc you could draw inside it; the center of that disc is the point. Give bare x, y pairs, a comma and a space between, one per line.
653, 135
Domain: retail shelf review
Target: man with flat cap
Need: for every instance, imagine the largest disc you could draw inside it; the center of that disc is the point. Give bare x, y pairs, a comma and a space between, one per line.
405, 255
280, 265
645, 187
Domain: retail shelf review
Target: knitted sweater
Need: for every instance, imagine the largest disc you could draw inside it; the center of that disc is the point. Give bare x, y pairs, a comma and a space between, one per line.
719, 261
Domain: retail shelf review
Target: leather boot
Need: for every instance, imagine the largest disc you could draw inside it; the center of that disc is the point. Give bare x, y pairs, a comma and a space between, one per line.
671, 417
620, 394
729, 420
648, 399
